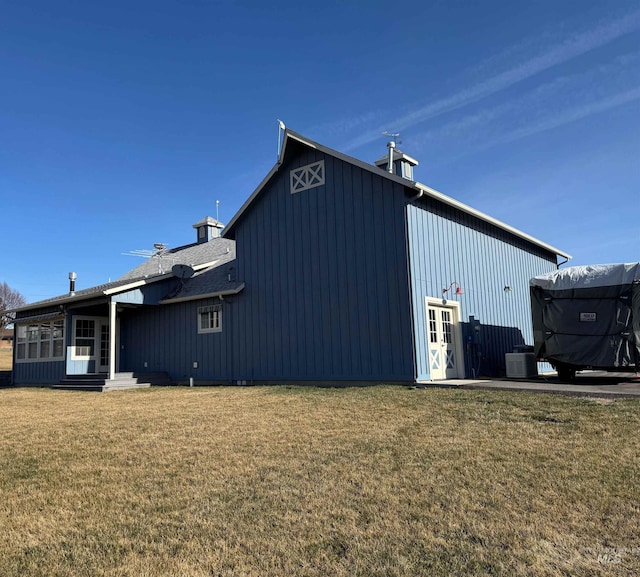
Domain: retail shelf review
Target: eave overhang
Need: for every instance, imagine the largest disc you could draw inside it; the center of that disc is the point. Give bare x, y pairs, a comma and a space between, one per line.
106, 292
432, 193
224, 293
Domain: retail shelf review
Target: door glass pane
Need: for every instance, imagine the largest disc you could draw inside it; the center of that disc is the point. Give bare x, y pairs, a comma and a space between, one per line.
446, 326
104, 345
85, 331
433, 332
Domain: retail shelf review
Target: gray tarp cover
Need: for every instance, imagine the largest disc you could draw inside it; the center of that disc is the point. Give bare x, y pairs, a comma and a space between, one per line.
589, 276
588, 316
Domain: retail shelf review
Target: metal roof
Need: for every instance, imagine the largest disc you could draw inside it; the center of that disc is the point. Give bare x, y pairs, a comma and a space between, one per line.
416, 187
209, 220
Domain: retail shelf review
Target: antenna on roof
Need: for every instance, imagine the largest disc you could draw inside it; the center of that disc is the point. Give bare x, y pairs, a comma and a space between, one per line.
141, 252
217, 208
147, 253
281, 129
394, 135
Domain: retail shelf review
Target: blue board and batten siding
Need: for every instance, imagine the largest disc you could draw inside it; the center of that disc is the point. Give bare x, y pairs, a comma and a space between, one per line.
335, 280
446, 245
166, 338
326, 283
37, 372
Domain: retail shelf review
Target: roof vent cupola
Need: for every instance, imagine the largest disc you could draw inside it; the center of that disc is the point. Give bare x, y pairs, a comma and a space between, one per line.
208, 228
397, 162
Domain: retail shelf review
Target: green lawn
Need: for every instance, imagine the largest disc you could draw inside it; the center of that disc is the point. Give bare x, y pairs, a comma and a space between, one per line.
379, 481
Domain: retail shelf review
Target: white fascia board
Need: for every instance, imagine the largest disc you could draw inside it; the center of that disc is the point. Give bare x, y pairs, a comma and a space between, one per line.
145, 281
108, 292
482, 216
135, 284
203, 296
59, 301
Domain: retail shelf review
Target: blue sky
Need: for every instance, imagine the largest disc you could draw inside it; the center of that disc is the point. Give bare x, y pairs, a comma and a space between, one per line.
122, 123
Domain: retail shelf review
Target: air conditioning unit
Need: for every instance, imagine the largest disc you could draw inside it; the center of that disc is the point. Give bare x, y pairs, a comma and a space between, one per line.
521, 365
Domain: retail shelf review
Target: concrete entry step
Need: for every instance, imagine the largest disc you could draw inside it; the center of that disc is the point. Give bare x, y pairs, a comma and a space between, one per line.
122, 381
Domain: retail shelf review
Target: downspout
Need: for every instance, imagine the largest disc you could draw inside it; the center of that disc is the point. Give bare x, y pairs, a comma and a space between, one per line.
565, 261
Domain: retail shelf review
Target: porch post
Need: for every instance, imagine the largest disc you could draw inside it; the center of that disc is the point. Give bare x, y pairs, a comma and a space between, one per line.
112, 339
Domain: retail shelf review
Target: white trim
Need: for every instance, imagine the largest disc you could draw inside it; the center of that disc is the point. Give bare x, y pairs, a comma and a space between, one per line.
457, 327
49, 359
203, 296
107, 292
145, 281
112, 339
96, 339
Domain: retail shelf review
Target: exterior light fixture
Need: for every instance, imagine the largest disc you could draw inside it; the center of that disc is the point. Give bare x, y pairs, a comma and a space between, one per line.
458, 288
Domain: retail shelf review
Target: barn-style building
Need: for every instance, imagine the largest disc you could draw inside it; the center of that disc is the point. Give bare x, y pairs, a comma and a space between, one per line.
333, 271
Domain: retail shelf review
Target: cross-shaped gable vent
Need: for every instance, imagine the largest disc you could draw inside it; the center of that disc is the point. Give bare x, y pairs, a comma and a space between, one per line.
307, 177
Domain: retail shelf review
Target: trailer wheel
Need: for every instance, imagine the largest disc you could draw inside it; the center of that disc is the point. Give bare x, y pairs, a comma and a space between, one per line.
566, 373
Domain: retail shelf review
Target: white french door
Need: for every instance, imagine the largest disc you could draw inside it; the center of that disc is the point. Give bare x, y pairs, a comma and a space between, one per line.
443, 341
91, 344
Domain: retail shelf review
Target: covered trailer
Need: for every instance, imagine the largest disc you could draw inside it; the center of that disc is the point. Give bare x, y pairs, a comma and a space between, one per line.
587, 317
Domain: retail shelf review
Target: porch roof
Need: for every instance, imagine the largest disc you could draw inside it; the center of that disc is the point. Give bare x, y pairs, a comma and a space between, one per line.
207, 256
214, 281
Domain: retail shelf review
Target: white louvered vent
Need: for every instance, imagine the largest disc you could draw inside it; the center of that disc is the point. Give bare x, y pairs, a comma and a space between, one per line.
307, 177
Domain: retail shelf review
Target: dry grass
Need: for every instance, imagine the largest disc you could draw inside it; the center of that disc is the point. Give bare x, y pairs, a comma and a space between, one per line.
6, 359
292, 481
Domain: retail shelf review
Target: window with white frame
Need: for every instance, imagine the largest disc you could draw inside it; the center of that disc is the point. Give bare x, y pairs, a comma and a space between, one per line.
210, 319
40, 341
84, 338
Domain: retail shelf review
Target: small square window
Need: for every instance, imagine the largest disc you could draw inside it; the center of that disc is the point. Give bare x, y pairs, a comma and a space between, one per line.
210, 319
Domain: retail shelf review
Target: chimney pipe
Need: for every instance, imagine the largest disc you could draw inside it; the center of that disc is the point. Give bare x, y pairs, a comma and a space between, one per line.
390, 145
72, 283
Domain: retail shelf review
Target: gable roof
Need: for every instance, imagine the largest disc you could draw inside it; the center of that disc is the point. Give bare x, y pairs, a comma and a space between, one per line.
419, 190
200, 257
